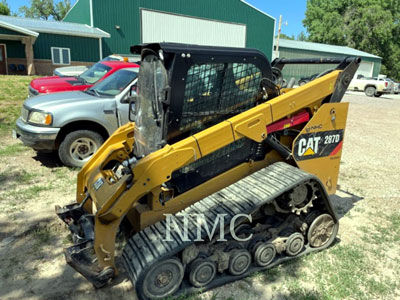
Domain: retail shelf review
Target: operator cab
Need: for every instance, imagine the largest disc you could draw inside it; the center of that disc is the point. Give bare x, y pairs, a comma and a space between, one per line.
207, 90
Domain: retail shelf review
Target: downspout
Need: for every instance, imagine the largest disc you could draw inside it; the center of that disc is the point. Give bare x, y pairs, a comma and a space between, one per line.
91, 12
100, 49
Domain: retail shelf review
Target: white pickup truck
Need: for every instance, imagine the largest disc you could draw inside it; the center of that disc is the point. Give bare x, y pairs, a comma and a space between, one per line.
372, 86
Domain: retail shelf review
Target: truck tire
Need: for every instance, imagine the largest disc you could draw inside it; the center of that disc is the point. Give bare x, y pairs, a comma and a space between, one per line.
370, 91
78, 146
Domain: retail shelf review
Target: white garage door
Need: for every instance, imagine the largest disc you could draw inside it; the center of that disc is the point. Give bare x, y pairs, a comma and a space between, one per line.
366, 68
165, 27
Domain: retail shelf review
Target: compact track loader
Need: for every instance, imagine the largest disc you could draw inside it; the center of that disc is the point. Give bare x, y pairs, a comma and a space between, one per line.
227, 170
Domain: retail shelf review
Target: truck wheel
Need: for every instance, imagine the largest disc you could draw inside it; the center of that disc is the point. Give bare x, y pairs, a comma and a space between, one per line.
370, 91
78, 147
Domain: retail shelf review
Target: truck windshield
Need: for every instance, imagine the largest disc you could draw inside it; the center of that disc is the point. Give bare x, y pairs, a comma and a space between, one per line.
114, 84
152, 82
95, 73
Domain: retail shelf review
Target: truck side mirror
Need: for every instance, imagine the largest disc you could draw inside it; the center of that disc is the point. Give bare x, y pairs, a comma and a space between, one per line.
132, 99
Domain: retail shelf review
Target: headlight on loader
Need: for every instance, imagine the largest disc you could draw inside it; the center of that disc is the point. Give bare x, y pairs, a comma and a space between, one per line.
40, 118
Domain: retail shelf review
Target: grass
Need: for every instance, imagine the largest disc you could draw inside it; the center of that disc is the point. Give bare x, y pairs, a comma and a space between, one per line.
31, 192
12, 149
14, 90
20, 177
17, 198
386, 230
26, 177
348, 271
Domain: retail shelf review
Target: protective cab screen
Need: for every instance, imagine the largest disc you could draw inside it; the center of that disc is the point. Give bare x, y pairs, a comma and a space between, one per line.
213, 93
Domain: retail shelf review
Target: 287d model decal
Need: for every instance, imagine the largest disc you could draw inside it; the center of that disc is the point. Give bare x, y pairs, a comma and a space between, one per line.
318, 144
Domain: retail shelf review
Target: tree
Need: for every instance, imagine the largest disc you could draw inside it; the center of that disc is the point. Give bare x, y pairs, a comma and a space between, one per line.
45, 9
302, 37
61, 9
4, 8
368, 25
286, 37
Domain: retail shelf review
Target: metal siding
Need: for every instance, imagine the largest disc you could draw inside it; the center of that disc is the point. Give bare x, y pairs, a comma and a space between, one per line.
298, 71
15, 49
81, 48
79, 13
377, 69
10, 32
377, 65
197, 31
106, 15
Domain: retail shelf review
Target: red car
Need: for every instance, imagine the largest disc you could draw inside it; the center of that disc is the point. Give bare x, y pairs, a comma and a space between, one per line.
94, 74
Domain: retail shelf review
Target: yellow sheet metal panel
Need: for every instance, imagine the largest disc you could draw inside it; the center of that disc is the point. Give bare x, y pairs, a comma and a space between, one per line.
148, 216
252, 123
214, 138
302, 96
318, 147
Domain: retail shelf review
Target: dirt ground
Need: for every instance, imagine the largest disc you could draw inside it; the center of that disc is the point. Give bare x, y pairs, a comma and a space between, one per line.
363, 264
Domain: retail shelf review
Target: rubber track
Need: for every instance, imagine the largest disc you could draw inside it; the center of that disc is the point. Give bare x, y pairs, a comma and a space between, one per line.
245, 196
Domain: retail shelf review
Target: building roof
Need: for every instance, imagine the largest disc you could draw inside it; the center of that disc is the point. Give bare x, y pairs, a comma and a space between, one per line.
55, 27
324, 48
18, 29
257, 9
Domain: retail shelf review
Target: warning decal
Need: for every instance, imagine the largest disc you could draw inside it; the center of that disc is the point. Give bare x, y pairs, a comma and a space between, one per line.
318, 144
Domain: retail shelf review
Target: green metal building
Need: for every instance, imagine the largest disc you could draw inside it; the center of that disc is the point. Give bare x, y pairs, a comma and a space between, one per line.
204, 22
33, 46
370, 65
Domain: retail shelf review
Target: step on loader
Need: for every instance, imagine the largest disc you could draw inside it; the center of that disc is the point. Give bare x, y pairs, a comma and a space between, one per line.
226, 170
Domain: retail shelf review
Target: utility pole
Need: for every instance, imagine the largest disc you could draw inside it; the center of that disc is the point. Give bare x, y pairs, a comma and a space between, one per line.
277, 39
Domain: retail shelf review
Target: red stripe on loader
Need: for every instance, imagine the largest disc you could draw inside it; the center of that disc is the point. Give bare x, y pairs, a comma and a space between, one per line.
337, 149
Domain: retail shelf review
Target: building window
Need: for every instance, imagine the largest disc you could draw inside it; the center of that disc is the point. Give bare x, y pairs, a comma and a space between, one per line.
60, 56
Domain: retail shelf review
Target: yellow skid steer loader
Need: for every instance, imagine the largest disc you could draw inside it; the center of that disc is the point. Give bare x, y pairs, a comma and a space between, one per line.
225, 171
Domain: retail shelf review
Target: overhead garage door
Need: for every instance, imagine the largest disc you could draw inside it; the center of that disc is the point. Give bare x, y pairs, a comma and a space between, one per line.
166, 27
366, 68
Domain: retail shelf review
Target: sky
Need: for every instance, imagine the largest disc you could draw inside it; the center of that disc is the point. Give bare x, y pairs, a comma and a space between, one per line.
292, 12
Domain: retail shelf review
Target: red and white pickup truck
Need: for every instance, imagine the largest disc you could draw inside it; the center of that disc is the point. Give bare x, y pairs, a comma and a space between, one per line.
372, 86
96, 73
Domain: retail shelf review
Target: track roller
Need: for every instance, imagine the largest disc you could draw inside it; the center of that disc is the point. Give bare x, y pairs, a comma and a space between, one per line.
294, 244
264, 254
202, 272
239, 262
163, 278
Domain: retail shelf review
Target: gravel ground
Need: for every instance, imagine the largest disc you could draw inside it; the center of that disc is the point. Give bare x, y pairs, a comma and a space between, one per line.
364, 264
